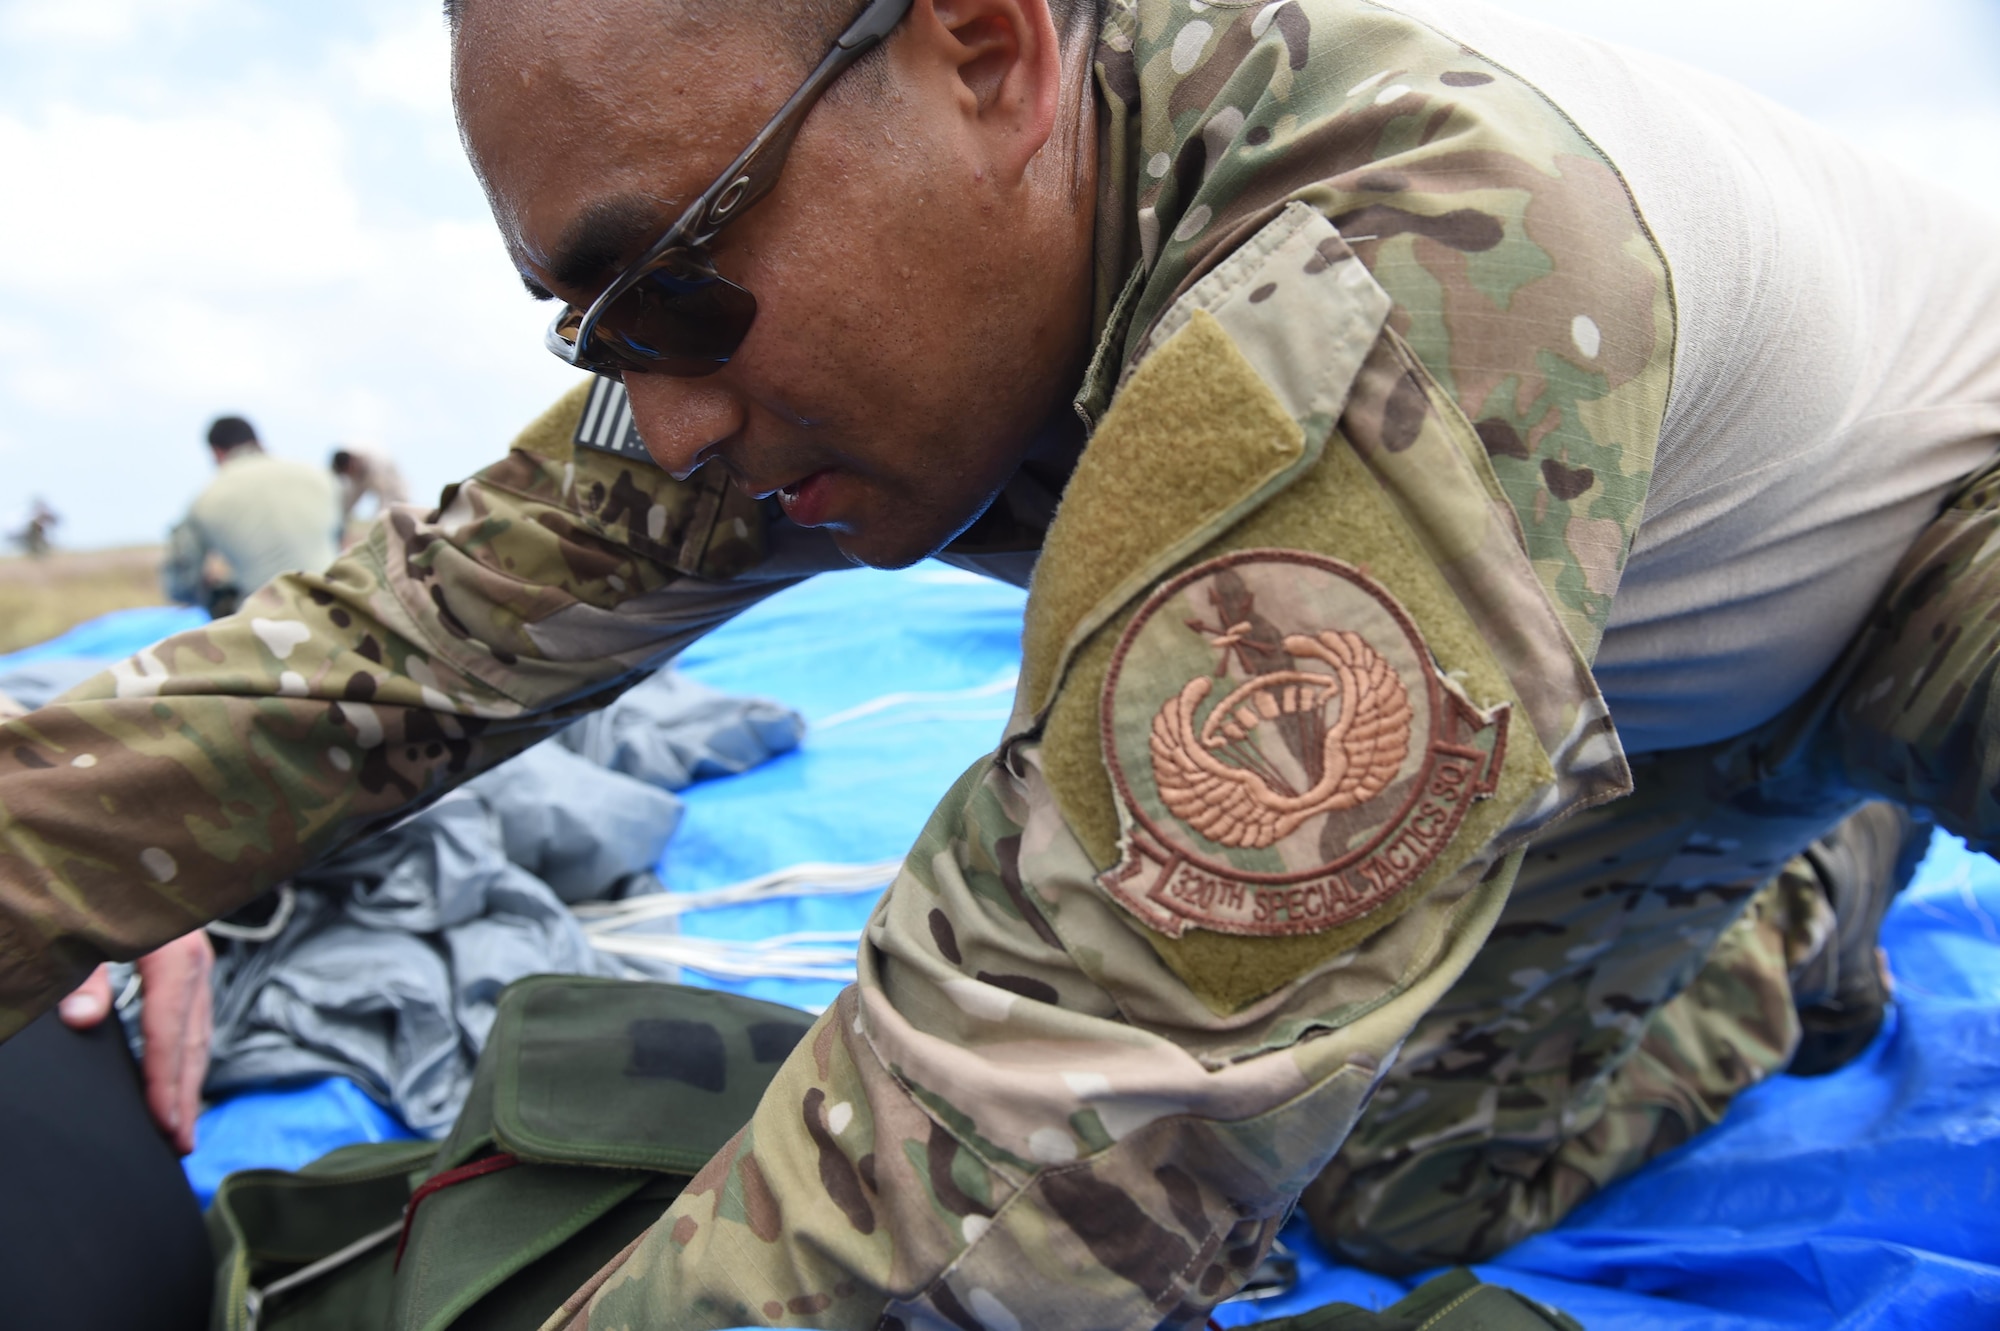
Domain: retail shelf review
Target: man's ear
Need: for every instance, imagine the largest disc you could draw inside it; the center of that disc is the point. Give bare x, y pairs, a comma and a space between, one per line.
1004, 62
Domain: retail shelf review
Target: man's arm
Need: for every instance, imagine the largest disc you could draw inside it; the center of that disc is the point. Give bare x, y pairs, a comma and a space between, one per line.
1046, 1104
180, 571
181, 783
1144, 967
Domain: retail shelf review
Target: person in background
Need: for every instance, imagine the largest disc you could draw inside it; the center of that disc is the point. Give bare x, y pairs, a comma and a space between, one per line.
260, 516
33, 537
364, 471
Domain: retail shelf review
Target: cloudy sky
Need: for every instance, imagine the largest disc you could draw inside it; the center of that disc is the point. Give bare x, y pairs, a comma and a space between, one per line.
260, 206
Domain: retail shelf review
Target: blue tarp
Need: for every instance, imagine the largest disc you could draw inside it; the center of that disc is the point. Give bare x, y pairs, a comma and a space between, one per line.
284, 1128
110, 637
1867, 1199
914, 672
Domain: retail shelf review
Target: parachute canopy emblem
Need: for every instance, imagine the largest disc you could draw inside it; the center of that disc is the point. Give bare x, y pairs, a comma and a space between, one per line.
1303, 778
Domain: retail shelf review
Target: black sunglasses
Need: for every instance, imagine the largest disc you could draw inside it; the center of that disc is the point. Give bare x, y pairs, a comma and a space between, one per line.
671, 312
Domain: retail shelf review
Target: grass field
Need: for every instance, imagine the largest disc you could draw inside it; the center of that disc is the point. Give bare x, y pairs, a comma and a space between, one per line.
39, 598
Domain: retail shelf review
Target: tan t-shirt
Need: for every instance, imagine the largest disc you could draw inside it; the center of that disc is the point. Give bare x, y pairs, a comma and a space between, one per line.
1837, 371
269, 515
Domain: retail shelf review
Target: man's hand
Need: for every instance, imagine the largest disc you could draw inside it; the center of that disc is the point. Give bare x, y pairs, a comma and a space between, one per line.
178, 1020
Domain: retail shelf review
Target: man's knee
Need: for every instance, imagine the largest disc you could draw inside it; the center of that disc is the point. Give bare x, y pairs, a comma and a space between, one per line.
1445, 1170
1449, 1206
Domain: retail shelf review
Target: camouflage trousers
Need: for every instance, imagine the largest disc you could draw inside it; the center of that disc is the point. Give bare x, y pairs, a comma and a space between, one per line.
1452, 1165
1641, 976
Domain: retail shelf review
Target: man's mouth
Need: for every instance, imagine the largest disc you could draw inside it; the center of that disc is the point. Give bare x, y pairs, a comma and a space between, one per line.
806, 500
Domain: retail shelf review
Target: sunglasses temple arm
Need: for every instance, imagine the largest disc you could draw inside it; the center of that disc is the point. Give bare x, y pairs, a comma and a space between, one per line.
874, 24
763, 159
759, 164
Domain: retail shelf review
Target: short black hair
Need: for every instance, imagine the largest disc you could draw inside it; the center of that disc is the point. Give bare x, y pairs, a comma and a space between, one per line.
229, 431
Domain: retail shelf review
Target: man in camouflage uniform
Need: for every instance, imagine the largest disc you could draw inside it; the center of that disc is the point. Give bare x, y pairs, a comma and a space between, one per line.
1311, 861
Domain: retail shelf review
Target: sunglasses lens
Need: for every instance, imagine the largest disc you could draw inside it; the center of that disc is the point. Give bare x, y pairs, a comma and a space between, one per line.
681, 319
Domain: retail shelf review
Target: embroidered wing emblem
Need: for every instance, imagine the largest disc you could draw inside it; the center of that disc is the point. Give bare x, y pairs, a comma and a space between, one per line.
1212, 777
1316, 772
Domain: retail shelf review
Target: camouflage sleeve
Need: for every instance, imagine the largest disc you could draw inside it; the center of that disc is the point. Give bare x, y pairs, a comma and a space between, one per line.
1918, 720
1145, 966
1021, 1116
184, 781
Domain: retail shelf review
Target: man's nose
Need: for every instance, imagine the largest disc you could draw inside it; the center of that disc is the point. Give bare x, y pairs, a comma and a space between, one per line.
682, 421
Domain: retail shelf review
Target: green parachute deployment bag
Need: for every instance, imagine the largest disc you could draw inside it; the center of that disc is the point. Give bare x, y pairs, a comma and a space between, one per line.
593, 1105
1454, 1301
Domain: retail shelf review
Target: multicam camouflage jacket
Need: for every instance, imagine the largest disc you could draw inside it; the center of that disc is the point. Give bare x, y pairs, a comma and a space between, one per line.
1384, 350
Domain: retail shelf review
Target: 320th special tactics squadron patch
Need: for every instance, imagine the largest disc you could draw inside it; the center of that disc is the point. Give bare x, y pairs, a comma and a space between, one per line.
1287, 754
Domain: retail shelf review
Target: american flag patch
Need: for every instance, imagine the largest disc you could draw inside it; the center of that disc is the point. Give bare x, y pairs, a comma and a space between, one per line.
607, 423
